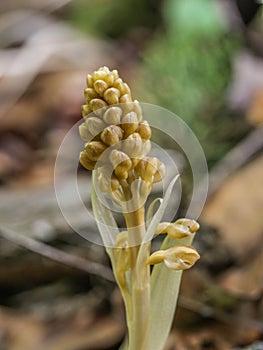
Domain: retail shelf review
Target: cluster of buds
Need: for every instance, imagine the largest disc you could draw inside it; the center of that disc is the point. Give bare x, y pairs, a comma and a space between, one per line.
117, 138
177, 257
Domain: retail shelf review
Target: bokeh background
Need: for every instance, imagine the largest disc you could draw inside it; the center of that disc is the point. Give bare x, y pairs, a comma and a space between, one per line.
201, 59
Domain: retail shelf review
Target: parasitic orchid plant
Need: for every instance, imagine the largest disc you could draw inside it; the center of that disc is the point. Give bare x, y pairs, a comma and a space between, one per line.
117, 152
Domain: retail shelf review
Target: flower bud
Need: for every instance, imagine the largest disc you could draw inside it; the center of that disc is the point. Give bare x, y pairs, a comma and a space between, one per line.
95, 125
118, 158
100, 74
121, 173
85, 161
126, 99
90, 94
111, 96
160, 173
96, 104
146, 147
110, 77
144, 130
84, 132
86, 110
129, 123
89, 81
115, 183
122, 87
100, 86
133, 145
137, 109
146, 168
121, 163
112, 135
112, 115
94, 150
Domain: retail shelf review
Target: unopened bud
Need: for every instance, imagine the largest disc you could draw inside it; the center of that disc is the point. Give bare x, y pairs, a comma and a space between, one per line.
100, 87
96, 104
137, 109
100, 74
110, 77
84, 133
122, 87
115, 74
121, 173
133, 145
144, 130
129, 123
90, 94
121, 163
89, 81
146, 168
120, 158
126, 99
160, 172
112, 115
146, 147
115, 184
94, 150
86, 110
112, 135
85, 161
95, 125
111, 96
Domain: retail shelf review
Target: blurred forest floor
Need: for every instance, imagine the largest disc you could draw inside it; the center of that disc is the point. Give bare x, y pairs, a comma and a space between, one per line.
56, 287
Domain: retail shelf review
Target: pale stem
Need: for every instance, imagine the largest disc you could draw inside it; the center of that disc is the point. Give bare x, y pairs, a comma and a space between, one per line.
139, 281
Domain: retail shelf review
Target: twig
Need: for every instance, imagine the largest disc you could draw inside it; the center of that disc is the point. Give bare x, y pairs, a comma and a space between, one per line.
58, 255
207, 311
237, 157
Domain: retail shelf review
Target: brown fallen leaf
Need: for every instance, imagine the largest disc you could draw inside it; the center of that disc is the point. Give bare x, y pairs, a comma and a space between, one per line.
20, 331
236, 209
255, 111
245, 280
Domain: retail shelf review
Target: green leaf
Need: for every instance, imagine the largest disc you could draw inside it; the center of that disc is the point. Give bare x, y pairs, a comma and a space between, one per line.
194, 17
165, 284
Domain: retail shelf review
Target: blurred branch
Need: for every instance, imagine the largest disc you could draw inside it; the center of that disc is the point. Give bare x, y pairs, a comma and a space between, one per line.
58, 255
54, 5
42, 39
207, 311
234, 159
